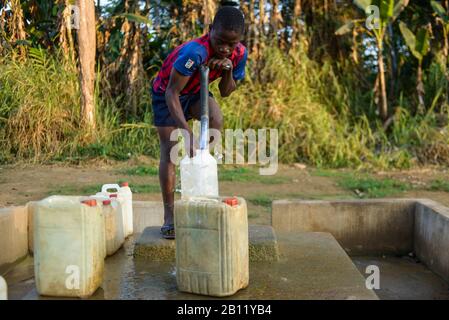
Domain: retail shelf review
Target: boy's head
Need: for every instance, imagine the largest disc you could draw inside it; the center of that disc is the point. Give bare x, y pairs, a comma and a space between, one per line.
226, 31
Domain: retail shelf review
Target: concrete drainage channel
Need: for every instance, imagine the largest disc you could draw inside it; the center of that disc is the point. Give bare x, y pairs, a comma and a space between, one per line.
407, 239
314, 250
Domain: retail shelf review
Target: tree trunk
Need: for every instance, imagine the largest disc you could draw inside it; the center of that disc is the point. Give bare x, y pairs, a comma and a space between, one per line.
17, 26
87, 46
383, 107
135, 65
208, 13
420, 89
65, 32
354, 48
253, 30
126, 31
296, 25
446, 41
394, 63
276, 18
2, 29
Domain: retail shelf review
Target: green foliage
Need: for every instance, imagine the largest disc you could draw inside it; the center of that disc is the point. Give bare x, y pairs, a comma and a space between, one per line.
75, 190
366, 187
261, 200
141, 171
438, 8
419, 44
145, 188
308, 105
40, 116
242, 174
439, 185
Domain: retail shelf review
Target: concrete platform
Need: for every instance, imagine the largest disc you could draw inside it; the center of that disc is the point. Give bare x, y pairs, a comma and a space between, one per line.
262, 245
147, 214
432, 236
151, 245
362, 227
404, 278
312, 266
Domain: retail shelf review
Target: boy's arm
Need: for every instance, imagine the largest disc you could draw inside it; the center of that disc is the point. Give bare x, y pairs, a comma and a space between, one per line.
227, 84
230, 75
175, 85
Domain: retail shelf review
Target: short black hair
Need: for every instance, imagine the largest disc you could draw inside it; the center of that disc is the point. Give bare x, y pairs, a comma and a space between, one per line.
229, 18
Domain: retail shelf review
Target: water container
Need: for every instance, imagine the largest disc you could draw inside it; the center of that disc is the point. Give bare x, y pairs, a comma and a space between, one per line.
124, 196
115, 236
100, 196
199, 175
211, 246
114, 222
31, 208
3, 289
127, 195
68, 246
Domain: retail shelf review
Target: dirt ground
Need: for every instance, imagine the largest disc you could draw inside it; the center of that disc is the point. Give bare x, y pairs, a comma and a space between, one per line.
23, 183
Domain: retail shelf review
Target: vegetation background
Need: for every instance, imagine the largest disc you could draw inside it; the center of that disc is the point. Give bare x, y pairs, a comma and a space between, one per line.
340, 94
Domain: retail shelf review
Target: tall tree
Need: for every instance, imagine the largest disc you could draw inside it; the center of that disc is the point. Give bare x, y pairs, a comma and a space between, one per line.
388, 11
419, 47
17, 26
87, 47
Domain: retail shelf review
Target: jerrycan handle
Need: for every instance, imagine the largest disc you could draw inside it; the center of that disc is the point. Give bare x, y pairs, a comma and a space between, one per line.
106, 187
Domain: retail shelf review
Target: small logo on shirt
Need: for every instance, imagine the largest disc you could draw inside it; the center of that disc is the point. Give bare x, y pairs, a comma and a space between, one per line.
189, 63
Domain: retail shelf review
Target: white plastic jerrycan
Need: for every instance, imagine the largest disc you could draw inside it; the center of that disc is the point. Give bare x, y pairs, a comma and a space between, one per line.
125, 197
199, 175
69, 246
3, 289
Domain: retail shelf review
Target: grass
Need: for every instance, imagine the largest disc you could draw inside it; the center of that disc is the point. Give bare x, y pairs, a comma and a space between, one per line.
319, 196
145, 188
366, 187
141, 171
327, 173
66, 190
261, 200
242, 174
439, 185
363, 185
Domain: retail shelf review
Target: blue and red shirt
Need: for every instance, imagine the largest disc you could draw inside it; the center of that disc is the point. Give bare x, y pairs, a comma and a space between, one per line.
187, 58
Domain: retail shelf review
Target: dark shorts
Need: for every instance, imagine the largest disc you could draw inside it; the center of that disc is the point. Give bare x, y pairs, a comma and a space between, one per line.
161, 113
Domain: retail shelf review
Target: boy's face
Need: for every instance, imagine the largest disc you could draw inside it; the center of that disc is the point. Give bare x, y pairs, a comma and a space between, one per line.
224, 42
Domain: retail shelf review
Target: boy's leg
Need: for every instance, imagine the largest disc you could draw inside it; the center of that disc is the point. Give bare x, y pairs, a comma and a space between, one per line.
167, 173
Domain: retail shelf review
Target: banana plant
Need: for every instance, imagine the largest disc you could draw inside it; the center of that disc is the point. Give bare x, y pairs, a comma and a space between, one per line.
419, 47
380, 13
443, 18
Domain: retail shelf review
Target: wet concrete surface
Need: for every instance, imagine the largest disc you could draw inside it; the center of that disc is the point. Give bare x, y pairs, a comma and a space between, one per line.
404, 278
301, 273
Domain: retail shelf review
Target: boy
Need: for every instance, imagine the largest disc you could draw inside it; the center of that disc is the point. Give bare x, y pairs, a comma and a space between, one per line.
176, 92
